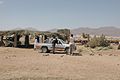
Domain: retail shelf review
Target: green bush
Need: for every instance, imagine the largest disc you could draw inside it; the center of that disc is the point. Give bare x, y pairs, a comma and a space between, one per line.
102, 41
98, 42
93, 42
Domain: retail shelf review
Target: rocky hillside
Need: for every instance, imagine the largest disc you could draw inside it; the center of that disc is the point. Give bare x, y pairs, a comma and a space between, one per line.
108, 31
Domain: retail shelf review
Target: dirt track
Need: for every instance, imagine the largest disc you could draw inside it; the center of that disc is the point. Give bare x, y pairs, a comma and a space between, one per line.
27, 64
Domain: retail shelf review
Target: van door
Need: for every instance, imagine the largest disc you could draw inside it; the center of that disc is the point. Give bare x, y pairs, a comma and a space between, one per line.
59, 46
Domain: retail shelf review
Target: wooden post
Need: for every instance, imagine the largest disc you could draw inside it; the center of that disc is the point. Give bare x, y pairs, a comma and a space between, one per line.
1, 41
26, 40
15, 39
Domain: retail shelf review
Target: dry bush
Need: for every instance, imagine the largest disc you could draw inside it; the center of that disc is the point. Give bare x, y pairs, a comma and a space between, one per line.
110, 47
80, 50
98, 42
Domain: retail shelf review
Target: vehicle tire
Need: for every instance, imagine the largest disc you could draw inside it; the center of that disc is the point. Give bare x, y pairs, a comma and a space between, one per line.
67, 50
44, 49
2, 44
10, 45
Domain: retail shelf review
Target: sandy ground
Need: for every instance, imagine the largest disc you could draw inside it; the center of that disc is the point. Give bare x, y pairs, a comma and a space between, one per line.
27, 64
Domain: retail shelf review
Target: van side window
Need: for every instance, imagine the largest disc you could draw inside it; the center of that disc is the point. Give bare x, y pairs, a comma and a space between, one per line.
59, 42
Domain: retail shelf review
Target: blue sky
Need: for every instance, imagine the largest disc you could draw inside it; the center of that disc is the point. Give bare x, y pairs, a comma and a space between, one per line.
49, 14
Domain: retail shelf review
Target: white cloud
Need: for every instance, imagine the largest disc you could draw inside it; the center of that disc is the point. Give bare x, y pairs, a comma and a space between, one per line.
1, 2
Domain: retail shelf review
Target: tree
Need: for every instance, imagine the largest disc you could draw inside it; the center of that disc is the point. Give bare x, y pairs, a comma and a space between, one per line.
65, 33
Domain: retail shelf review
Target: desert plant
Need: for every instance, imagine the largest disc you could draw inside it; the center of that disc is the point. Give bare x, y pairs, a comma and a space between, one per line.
98, 42
86, 45
85, 36
93, 42
80, 50
105, 48
110, 47
102, 41
99, 48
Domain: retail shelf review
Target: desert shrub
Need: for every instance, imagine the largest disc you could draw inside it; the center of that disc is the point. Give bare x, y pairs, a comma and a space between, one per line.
93, 42
102, 41
80, 50
98, 42
86, 45
99, 48
110, 47
86, 36
105, 48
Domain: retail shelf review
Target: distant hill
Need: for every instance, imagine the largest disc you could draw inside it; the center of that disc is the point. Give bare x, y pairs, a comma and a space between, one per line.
53, 30
108, 31
31, 29
28, 28
17, 29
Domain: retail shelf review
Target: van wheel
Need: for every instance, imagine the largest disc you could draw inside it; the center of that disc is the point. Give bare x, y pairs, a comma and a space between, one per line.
44, 49
10, 45
67, 50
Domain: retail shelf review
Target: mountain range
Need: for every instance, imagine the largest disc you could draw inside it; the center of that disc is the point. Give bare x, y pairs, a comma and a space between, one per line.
108, 31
